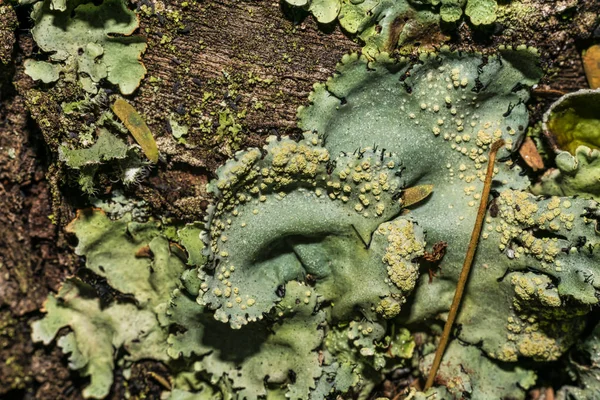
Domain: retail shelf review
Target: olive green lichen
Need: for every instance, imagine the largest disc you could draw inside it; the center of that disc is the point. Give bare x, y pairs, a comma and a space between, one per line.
384, 24
480, 12
380, 24
88, 42
573, 126
96, 332
107, 147
99, 147
136, 260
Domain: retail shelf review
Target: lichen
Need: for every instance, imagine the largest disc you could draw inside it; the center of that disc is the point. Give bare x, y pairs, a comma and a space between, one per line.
337, 202
96, 332
88, 43
311, 248
380, 24
100, 147
383, 24
447, 110
280, 351
136, 260
584, 367
573, 127
466, 372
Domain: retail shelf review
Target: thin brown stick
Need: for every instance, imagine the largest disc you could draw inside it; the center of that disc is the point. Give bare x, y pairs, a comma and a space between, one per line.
464, 273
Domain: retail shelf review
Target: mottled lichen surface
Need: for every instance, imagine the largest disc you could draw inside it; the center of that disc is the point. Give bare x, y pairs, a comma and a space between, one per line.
449, 114
313, 214
296, 191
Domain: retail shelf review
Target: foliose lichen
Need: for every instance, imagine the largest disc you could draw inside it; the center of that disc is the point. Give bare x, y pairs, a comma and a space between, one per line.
310, 255
380, 24
383, 24
573, 127
448, 109
333, 212
88, 43
585, 369
101, 147
136, 261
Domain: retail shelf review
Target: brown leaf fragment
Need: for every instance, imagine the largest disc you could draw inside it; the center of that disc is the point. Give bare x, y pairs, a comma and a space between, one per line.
591, 66
530, 154
144, 252
415, 194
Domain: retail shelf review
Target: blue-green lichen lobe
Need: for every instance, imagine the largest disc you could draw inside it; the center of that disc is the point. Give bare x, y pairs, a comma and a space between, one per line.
265, 203
442, 114
249, 362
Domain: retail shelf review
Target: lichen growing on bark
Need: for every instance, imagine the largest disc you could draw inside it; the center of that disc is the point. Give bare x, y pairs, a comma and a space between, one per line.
88, 43
308, 277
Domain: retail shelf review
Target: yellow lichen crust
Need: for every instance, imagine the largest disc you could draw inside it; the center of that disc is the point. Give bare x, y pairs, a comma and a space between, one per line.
389, 307
539, 322
521, 214
403, 246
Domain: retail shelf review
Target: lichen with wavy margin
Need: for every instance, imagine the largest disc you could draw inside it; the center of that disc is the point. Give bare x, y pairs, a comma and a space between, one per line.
88, 42
136, 260
384, 24
573, 126
293, 212
442, 114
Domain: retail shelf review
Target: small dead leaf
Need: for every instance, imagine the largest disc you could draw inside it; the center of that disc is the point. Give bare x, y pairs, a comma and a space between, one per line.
138, 128
144, 252
530, 154
591, 66
415, 194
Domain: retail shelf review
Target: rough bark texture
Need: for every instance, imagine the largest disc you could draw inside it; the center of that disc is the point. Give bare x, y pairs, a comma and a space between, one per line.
214, 57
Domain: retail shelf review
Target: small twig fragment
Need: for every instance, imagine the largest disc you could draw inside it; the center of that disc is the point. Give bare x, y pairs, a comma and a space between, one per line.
162, 381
